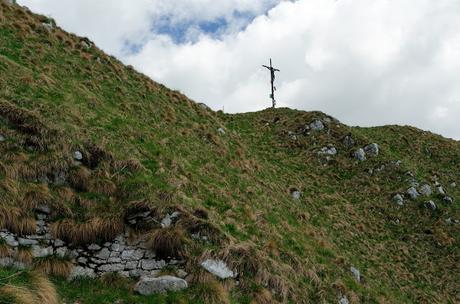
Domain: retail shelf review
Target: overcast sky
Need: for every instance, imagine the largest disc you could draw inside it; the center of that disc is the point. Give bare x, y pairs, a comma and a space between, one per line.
366, 62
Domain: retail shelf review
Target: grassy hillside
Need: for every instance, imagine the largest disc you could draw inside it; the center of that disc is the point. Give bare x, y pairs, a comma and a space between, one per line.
145, 147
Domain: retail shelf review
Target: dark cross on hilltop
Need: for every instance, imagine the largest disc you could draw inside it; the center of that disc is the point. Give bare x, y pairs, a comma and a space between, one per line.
272, 74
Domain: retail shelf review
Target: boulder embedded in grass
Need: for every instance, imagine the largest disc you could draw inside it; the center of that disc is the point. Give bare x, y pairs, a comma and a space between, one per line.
149, 286
218, 268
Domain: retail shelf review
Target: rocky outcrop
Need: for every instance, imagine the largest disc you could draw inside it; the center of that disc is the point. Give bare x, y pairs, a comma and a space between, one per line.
149, 285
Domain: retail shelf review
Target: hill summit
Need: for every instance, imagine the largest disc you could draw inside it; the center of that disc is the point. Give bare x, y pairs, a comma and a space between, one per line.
116, 189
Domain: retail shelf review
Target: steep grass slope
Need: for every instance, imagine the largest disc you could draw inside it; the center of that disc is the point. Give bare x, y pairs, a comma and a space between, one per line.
232, 177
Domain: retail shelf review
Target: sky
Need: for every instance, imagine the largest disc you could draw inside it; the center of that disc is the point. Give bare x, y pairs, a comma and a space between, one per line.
364, 62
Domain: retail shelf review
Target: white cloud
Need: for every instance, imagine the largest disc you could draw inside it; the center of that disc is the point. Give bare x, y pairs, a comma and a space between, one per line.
365, 62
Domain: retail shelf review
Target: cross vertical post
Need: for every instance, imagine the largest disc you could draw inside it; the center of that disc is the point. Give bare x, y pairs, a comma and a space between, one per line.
272, 79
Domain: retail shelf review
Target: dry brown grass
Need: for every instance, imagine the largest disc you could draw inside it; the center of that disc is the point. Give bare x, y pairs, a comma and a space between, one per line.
130, 165
6, 251
263, 296
54, 266
41, 291
167, 242
103, 185
23, 226
37, 195
24, 255
79, 178
91, 231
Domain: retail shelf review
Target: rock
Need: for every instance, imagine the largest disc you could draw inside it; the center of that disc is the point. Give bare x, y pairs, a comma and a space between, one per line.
2, 138
131, 265
10, 2
203, 106
6, 262
344, 300
372, 149
58, 243
104, 254
221, 131
27, 242
132, 255
412, 192
317, 125
148, 286
82, 260
296, 194
77, 155
114, 260
360, 154
181, 273
431, 205
348, 141
41, 252
453, 184
81, 272
94, 247
356, 273
152, 264
61, 252
10, 240
48, 26
328, 151
426, 190
168, 220
398, 199
117, 247
448, 200
440, 190
112, 267
218, 268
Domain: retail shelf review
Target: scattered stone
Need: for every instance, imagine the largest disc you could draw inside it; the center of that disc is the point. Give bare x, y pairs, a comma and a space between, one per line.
148, 285
168, 220
372, 149
344, 300
349, 142
203, 106
81, 272
356, 273
431, 205
221, 131
77, 155
296, 194
413, 193
181, 273
440, 190
398, 199
218, 268
448, 200
317, 125
426, 190
328, 151
2, 138
453, 184
48, 26
360, 154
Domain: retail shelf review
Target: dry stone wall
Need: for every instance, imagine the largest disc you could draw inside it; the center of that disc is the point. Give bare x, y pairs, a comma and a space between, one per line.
130, 258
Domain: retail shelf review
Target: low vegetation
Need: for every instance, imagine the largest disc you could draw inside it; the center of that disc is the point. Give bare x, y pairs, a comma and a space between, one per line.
143, 148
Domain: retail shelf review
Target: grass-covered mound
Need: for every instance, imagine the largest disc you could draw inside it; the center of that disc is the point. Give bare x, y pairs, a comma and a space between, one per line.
146, 148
